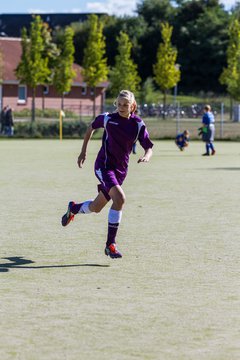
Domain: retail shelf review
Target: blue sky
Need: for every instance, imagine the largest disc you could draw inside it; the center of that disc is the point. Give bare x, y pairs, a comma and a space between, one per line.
117, 7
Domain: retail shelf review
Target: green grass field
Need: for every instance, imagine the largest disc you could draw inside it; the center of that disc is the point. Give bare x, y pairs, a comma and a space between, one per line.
176, 292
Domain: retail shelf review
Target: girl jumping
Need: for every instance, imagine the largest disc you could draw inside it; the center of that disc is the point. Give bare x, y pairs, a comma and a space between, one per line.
121, 130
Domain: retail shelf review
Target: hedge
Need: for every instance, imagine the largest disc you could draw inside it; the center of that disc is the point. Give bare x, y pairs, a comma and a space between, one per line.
44, 129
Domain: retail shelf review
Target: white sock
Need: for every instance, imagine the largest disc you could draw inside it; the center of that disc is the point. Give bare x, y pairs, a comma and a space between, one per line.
114, 216
84, 209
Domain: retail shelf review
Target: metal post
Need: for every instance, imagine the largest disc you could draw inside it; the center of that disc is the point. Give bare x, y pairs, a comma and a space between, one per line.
178, 118
61, 115
222, 120
175, 94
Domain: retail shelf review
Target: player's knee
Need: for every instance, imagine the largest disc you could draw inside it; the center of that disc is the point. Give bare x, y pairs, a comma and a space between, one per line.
96, 208
120, 200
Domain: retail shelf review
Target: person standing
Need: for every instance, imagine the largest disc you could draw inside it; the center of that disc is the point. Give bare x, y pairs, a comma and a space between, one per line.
3, 120
121, 129
208, 130
9, 126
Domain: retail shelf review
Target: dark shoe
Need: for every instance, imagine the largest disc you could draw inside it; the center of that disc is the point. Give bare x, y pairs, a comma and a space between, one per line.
213, 152
206, 154
69, 216
112, 251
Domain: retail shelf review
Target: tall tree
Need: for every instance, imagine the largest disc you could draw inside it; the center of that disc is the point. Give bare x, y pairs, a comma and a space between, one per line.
154, 11
95, 67
63, 72
231, 74
200, 32
167, 73
33, 67
51, 52
124, 74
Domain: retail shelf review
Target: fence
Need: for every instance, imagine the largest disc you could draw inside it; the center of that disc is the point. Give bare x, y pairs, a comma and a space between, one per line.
175, 118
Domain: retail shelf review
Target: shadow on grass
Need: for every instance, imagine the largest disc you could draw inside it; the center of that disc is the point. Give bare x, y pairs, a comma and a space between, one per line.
226, 168
17, 262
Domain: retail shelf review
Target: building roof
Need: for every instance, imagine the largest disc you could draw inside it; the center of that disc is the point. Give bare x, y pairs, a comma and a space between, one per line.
11, 50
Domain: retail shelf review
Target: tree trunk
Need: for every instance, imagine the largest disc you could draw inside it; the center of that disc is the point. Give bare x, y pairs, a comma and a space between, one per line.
231, 108
94, 103
33, 103
43, 100
164, 103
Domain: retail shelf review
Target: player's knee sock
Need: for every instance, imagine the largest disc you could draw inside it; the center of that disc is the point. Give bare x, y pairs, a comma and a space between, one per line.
114, 219
211, 146
82, 208
207, 148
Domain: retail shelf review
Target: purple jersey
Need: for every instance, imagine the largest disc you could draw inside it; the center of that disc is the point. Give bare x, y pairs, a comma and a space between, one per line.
118, 138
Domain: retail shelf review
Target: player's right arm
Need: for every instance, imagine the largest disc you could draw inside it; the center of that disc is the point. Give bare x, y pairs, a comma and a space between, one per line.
83, 153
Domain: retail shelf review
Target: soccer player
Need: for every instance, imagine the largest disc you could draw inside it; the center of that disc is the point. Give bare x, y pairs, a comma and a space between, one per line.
121, 130
182, 140
208, 130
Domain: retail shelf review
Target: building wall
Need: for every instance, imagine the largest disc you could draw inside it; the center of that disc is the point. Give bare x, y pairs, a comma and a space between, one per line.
75, 100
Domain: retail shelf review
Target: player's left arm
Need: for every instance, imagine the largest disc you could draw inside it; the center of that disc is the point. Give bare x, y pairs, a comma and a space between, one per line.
146, 144
147, 155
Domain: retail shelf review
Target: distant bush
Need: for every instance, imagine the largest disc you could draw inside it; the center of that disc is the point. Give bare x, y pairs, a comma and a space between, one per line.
44, 129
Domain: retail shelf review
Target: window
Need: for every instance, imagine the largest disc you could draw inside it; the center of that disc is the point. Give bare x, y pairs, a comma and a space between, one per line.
84, 90
22, 94
92, 91
45, 89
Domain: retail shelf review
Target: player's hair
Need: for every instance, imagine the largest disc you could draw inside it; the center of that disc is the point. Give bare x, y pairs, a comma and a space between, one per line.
129, 96
207, 107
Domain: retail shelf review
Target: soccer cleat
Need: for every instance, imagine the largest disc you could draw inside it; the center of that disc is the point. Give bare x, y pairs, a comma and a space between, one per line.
69, 216
112, 251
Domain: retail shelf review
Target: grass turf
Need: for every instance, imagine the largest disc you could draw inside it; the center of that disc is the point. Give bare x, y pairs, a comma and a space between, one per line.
174, 295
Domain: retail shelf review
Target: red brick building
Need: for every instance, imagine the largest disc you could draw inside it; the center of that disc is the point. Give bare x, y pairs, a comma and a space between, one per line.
19, 96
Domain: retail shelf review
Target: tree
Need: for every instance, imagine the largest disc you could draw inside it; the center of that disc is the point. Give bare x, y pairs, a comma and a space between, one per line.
81, 31
149, 94
63, 72
51, 52
231, 74
154, 11
124, 74
95, 67
33, 67
135, 27
167, 74
200, 32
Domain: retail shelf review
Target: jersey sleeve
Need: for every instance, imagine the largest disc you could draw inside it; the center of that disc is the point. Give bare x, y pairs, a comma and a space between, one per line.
144, 138
98, 122
205, 119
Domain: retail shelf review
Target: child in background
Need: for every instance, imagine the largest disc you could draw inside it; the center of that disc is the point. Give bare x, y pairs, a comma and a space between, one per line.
208, 130
182, 140
121, 130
